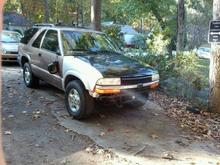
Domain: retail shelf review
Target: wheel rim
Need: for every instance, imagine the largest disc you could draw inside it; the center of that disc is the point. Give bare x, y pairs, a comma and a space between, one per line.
27, 75
74, 100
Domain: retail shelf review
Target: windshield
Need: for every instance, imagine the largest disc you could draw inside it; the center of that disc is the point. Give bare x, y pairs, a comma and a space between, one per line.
10, 37
87, 41
205, 49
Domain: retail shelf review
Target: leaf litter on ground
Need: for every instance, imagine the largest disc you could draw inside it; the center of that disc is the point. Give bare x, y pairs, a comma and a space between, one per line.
203, 125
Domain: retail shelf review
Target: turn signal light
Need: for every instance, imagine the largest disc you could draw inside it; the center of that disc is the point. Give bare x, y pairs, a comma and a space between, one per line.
107, 91
154, 86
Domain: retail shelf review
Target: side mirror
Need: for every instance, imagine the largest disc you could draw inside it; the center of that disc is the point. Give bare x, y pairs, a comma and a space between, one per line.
53, 68
58, 52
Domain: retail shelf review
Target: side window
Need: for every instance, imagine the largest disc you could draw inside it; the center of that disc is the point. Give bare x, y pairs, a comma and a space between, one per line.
37, 42
51, 41
69, 43
28, 34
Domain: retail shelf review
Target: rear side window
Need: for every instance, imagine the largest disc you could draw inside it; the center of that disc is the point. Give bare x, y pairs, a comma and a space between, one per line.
51, 41
37, 42
28, 35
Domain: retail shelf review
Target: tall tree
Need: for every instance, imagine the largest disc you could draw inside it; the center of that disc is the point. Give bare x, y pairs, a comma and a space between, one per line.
47, 11
181, 27
96, 14
214, 77
22, 8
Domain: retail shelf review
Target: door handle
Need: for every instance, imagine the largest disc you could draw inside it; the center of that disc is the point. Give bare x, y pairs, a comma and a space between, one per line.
40, 54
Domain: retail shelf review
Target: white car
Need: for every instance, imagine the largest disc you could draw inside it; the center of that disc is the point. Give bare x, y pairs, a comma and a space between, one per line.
9, 45
203, 52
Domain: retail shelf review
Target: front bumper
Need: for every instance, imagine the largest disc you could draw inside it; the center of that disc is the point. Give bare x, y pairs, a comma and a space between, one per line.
9, 57
126, 90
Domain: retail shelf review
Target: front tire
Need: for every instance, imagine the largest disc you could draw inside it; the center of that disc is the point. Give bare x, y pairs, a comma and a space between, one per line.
78, 102
30, 80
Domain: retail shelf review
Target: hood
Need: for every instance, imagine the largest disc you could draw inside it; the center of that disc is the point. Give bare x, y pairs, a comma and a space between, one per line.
116, 65
12, 47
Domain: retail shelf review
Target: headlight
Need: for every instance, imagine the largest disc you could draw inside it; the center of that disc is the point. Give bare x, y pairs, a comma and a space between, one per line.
3, 51
155, 77
109, 81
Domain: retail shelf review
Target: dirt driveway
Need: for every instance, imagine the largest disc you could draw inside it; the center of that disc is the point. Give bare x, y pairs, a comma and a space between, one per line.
37, 130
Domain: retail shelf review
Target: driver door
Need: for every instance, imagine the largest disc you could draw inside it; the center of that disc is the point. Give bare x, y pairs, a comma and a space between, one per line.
49, 53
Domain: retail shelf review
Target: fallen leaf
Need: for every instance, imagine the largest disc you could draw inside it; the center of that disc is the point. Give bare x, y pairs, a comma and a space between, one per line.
88, 149
206, 113
102, 134
35, 116
102, 116
38, 112
11, 116
36, 145
67, 130
110, 129
28, 103
168, 156
180, 143
8, 133
100, 151
127, 131
154, 136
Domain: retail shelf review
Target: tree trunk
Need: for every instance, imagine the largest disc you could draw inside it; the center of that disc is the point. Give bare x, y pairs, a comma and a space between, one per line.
96, 14
81, 13
47, 11
24, 13
214, 72
181, 27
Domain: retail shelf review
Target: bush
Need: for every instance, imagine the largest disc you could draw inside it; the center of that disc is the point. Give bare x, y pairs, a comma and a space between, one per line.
157, 42
180, 75
113, 33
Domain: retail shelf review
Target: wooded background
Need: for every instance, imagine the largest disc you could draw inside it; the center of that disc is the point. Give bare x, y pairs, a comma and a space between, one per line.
158, 16
180, 25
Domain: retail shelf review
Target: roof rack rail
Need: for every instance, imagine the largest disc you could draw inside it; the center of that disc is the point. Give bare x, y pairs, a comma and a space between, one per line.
59, 24
43, 25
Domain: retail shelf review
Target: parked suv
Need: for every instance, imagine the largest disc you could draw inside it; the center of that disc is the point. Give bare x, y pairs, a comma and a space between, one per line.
85, 64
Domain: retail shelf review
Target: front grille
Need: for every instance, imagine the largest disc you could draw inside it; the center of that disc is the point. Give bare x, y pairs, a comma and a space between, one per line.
135, 80
9, 59
11, 52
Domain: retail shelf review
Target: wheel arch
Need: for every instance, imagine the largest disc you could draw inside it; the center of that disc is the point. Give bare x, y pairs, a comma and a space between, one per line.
24, 60
70, 78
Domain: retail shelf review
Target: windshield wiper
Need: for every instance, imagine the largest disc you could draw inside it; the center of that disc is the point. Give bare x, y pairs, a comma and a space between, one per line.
83, 50
75, 51
108, 51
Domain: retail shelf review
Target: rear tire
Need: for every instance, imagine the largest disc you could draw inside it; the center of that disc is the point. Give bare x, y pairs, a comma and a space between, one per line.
78, 102
30, 80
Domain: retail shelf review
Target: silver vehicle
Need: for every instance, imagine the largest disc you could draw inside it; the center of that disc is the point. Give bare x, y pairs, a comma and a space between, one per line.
85, 64
203, 52
9, 45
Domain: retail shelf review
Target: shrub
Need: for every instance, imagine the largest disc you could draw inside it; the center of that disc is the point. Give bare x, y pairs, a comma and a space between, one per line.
181, 75
113, 33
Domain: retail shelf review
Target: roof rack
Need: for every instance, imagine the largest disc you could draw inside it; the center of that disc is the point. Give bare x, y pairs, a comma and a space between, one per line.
43, 25
38, 25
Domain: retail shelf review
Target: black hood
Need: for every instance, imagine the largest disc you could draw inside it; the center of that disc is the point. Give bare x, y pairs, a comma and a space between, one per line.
116, 65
